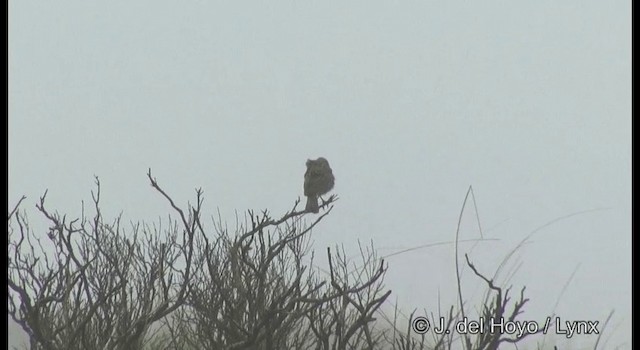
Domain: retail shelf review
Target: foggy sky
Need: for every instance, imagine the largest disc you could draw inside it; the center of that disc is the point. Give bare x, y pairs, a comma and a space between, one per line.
411, 102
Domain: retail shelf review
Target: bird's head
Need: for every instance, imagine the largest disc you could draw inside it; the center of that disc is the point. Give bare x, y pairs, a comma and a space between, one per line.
321, 162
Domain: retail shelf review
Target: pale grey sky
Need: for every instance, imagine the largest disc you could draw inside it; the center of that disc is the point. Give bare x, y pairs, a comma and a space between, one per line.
410, 101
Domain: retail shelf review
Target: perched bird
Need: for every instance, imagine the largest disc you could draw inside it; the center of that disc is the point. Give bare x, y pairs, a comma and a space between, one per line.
318, 180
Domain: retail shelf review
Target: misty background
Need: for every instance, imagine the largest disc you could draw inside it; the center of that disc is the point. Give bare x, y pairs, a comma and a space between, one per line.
411, 102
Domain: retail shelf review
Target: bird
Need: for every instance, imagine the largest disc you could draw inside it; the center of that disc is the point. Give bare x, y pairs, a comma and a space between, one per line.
318, 180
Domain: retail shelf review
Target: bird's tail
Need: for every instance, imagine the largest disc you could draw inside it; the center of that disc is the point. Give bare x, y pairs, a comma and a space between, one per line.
312, 204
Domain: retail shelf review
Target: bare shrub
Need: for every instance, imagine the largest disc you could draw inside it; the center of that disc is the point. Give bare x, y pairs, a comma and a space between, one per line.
257, 289
89, 284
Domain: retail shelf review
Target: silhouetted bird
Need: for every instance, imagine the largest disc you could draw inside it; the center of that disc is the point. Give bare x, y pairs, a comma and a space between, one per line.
318, 180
